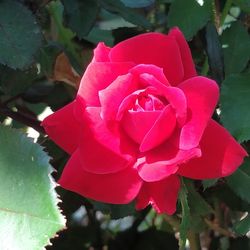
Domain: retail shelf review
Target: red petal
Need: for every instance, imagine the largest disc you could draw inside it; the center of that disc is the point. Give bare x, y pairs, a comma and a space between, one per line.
63, 128
103, 150
162, 195
160, 131
175, 96
101, 53
113, 95
152, 48
118, 188
164, 161
152, 70
98, 76
221, 155
202, 95
186, 56
137, 124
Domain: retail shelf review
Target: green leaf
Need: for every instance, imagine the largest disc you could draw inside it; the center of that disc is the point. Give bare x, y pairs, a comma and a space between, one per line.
239, 182
243, 4
185, 221
20, 35
209, 183
14, 82
214, 52
128, 14
29, 215
243, 226
65, 35
80, 15
235, 102
189, 16
236, 48
197, 204
138, 3
97, 35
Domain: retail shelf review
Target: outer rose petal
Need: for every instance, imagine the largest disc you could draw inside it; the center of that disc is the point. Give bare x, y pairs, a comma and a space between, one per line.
102, 150
186, 56
119, 188
202, 95
221, 155
98, 76
162, 195
63, 128
152, 48
101, 53
163, 162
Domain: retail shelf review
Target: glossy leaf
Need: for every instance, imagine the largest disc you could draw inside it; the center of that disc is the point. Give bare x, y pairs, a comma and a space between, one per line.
239, 182
235, 102
214, 52
189, 16
80, 15
29, 215
243, 226
128, 14
20, 35
236, 48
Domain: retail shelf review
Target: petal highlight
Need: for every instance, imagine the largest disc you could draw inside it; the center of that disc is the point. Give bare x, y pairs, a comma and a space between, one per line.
186, 56
98, 76
221, 155
202, 95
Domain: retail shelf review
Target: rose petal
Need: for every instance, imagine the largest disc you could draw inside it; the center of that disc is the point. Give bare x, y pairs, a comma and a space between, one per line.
202, 95
221, 155
138, 123
98, 76
164, 161
160, 131
103, 150
162, 195
118, 188
151, 70
112, 96
152, 48
175, 96
186, 56
63, 128
101, 53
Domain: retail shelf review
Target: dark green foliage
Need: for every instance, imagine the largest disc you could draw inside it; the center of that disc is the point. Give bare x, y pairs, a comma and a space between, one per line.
34, 37
20, 35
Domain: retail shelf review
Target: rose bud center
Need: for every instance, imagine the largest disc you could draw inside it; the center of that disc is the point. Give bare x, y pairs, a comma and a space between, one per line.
144, 115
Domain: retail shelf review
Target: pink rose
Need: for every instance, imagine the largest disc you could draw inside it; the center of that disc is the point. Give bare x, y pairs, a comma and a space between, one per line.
141, 119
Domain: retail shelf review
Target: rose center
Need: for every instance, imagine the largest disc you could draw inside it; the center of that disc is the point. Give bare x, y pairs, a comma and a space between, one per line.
148, 102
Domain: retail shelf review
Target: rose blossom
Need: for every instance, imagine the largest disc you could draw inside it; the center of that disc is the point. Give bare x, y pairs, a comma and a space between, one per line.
141, 119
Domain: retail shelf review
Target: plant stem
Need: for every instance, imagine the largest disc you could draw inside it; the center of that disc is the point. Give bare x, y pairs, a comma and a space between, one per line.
194, 240
27, 120
205, 67
216, 227
225, 11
